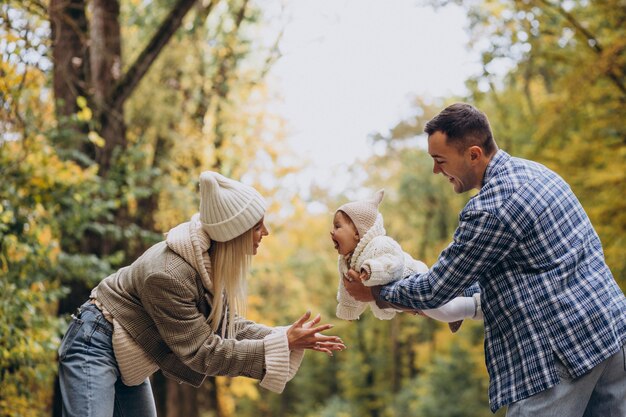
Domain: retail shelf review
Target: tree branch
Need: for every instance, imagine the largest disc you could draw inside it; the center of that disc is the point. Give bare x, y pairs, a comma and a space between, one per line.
590, 39
139, 68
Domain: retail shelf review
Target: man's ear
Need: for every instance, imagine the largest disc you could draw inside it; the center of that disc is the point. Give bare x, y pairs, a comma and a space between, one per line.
476, 153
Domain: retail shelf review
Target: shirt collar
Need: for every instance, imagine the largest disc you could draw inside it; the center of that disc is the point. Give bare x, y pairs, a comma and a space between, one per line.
498, 160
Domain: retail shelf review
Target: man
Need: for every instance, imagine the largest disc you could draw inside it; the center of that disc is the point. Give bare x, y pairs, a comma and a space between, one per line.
555, 319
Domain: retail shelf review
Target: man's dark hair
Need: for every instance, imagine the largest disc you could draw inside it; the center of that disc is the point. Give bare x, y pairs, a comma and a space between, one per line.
464, 126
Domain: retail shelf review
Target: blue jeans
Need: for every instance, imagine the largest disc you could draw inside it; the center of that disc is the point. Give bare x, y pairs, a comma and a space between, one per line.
599, 393
88, 374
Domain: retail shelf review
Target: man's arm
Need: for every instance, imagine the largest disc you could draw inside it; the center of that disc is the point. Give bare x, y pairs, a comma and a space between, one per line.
480, 242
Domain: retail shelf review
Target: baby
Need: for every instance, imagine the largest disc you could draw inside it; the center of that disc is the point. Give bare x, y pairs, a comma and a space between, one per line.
363, 246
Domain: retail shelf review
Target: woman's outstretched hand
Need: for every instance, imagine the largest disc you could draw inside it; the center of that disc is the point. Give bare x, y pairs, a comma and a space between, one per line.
305, 334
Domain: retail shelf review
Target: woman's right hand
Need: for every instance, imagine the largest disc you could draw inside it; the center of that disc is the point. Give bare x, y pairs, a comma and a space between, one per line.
307, 335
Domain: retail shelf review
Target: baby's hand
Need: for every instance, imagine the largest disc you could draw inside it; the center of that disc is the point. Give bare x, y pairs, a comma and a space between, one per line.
364, 275
355, 276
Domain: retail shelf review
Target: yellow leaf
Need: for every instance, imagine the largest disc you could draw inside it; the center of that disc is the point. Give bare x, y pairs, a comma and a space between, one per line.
81, 102
85, 114
45, 235
96, 139
132, 204
244, 388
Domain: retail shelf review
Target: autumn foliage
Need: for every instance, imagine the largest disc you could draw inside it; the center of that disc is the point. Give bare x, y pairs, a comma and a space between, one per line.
77, 201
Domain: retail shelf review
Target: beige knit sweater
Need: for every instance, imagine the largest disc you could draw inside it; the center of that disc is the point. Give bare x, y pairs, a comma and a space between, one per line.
159, 307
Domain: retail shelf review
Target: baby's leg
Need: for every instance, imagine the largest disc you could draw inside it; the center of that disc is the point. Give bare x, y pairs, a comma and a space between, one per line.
458, 309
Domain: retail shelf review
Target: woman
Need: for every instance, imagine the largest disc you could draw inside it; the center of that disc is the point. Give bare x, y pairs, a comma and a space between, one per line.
179, 308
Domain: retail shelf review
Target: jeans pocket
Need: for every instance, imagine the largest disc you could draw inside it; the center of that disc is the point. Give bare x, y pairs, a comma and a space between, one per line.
69, 337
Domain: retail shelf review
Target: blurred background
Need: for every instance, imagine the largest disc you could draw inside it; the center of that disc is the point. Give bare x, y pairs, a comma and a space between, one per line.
110, 109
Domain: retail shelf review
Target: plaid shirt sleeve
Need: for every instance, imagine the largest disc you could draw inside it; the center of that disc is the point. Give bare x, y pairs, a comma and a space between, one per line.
480, 242
471, 290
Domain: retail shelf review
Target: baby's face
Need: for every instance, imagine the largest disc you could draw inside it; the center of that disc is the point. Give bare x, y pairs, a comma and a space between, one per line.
344, 234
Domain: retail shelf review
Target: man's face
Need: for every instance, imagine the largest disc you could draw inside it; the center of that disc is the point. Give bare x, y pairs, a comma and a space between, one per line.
453, 164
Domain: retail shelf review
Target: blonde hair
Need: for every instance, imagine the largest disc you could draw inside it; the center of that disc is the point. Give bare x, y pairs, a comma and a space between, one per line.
230, 262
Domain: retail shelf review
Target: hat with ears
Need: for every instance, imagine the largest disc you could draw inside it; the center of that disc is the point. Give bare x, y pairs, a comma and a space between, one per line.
228, 208
363, 213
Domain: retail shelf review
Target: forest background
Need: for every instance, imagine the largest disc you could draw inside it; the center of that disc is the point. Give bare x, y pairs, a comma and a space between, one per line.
109, 110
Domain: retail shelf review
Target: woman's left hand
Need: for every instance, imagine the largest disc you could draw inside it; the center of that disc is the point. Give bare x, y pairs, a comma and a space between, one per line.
305, 334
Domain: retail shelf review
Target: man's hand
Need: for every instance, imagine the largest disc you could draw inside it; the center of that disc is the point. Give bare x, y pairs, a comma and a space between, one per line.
352, 281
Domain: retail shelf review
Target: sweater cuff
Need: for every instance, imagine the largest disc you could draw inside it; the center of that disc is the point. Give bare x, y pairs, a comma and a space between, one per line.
377, 275
295, 360
478, 311
295, 356
276, 361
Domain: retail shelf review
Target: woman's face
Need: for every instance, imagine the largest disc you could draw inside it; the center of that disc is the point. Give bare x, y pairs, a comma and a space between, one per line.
258, 231
344, 234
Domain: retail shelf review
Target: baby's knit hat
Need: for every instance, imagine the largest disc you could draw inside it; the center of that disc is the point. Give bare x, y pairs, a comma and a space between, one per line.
228, 208
363, 213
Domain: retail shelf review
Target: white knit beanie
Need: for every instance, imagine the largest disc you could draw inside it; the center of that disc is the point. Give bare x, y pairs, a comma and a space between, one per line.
228, 208
363, 213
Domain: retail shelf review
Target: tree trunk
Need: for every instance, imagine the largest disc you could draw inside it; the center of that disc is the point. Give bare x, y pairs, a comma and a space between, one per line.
181, 400
106, 65
70, 55
396, 364
368, 396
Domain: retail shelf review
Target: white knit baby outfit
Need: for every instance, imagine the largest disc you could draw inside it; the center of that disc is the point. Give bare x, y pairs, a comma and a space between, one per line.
384, 261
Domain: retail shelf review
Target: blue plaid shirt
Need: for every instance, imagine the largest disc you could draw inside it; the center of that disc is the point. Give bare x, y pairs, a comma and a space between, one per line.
545, 288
